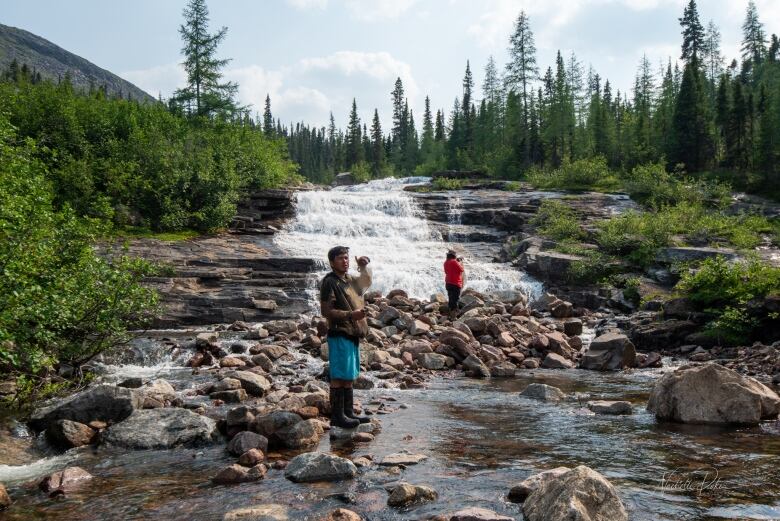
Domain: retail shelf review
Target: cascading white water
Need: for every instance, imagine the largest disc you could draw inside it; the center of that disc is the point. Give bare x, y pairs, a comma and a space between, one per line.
378, 219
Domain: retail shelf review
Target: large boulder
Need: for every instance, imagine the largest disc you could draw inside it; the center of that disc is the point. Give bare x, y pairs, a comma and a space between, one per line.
475, 368
518, 493
580, 494
609, 352
318, 466
161, 429
105, 403
712, 393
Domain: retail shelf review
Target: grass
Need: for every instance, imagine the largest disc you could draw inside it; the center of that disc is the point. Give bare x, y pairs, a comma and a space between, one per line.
134, 232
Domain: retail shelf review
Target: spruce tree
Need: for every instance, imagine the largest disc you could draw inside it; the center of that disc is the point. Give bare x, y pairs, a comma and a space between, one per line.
205, 94
712, 58
521, 71
693, 33
354, 141
427, 141
268, 119
753, 36
693, 144
377, 146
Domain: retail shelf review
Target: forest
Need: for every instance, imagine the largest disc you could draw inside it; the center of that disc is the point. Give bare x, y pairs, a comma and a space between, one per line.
701, 114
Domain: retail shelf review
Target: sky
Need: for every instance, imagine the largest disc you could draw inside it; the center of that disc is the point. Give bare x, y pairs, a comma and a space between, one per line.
314, 56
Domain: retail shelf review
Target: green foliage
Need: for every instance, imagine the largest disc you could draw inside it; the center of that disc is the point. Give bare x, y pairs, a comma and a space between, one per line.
582, 174
558, 221
594, 267
726, 289
361, 172
443, 183
59, 300
140, 164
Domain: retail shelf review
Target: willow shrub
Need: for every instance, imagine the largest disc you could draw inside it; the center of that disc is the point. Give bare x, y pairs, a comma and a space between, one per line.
59, 300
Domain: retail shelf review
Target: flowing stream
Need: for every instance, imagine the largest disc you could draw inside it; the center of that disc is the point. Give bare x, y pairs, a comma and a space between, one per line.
480, 437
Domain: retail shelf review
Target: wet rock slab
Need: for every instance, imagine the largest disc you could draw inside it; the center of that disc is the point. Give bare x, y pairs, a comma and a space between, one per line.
161, 429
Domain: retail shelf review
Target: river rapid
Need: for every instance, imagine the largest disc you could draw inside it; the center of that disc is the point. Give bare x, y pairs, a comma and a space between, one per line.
480, 436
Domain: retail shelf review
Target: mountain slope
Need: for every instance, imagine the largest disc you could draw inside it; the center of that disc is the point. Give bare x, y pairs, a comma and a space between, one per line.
53, 62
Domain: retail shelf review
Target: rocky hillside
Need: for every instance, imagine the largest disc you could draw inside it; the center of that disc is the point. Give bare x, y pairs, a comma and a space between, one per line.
54, 62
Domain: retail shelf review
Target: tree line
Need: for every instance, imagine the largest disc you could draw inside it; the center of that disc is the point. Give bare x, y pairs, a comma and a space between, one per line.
699, 114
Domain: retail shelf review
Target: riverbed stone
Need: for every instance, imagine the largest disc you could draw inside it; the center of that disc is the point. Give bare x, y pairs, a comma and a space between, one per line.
319, 466
518, 493
543, 392
503, 370
407, 494
556, 361
65, 480
251, 458
103, 402
157, 393
66, 434
475, 368
5, 499
581, 493
342, 514
234, 396
610, 407
245, 441
434, 361
254, 384
402, 458
478, 514
711, 393
258, 513
572, 326
609, 352
161, 429
239, 474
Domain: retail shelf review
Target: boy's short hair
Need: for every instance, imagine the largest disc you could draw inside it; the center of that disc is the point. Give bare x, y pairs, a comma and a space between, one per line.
336, 251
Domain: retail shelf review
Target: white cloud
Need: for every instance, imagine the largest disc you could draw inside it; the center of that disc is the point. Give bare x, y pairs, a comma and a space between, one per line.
374, 10
159, 79
497, 23
377, 65
305, 5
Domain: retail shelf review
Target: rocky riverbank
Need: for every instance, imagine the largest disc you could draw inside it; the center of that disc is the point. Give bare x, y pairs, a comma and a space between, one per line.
259, 392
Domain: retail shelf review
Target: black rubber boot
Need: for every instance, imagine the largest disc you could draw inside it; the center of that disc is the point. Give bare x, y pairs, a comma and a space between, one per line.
349, 411
337, 418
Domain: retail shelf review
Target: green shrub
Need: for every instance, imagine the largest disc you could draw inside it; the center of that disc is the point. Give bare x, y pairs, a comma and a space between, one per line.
594, 267
558, 221
59, 300
582, 174
443, 183
725, 289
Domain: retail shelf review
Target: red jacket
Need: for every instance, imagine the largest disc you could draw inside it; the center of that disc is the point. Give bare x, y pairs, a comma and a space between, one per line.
453, 272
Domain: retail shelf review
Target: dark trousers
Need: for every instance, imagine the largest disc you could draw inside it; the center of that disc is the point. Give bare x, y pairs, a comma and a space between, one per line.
453, 292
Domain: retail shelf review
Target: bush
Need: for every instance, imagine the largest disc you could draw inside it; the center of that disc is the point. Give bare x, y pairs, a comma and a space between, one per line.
725, 289
59, 300
558, 221
582, 174
443, 183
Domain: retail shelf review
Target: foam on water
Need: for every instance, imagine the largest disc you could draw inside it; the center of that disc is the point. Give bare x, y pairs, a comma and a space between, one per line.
378, 219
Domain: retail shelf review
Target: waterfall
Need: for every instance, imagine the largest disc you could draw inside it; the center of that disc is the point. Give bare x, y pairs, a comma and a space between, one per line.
379, 220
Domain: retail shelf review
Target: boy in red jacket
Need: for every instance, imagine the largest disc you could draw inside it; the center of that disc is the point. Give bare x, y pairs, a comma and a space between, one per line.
453, 280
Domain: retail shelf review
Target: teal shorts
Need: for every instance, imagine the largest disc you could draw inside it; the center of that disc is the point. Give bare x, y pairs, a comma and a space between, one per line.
344, 358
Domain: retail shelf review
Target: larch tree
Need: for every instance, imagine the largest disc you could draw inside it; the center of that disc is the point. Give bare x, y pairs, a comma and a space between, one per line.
206, 94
